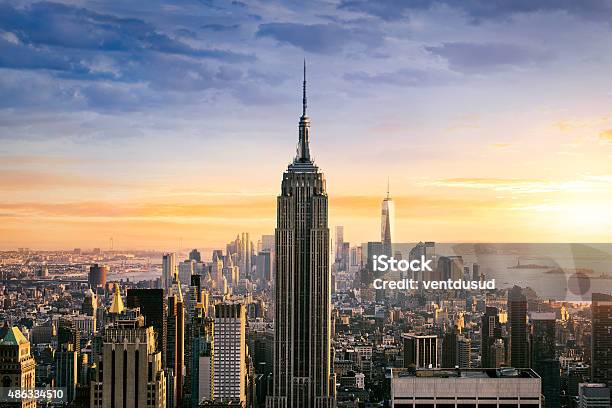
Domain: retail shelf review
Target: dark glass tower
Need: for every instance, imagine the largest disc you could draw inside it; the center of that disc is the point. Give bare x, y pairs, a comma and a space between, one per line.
154, 307
491, 330
517, 317
601, 347
302, 363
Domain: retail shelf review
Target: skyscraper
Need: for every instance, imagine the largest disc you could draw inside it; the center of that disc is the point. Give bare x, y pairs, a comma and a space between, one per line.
490, 331
594, 396
168, 269
449, 349
175, 353
543, 359
387, 223
97, 275
338, 241
601, 349
420, 350
154, 307
202, 368
302, 371
66, 370
195, 255
17, 366
517, 319
229, 351
130, 371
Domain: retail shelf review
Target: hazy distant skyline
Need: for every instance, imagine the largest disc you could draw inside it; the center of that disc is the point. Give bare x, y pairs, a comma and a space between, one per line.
153, 122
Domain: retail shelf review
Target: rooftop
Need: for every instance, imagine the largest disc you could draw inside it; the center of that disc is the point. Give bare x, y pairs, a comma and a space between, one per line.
13, 337
505, 372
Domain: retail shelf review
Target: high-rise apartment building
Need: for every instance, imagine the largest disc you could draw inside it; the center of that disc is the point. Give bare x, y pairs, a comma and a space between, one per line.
302, 371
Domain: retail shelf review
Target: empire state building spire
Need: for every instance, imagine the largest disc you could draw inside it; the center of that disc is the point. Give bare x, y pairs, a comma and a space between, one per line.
303, 149
304, 91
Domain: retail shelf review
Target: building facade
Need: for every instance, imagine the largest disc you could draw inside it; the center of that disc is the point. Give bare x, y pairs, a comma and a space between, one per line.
302, 344
229, 350
465, 388
17, 366
129, 373
601, 348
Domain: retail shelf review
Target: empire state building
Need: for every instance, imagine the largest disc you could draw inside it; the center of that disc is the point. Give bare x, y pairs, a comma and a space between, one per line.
302, 331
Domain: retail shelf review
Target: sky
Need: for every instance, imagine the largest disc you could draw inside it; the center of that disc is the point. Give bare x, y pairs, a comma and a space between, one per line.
167, 125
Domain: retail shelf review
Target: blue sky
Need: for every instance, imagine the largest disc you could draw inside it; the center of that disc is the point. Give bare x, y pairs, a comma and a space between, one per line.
119, 103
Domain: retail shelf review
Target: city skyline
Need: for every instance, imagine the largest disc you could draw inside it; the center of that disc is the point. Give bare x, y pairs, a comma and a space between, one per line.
460, 154
181, 136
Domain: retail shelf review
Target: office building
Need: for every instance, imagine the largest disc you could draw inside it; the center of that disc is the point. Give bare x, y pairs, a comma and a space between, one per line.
338, 242
543, 359
154, 308
229, 351
449, 267
593, 395
517, 324
490, 331
66, 373
387, 223
449, 349
302, 354
464, 352
428, 251
168, 270
90, 303
185, 270
465, 388
420, 351
195, 255
202, 358
97, 275
175, 353
264, 266
129, 372
17, 366
601, 347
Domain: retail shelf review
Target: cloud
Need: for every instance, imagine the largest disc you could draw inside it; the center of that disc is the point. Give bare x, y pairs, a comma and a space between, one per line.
606, 135
62, 57
411, 77
221, 27
60, 25
480, 57
481, 10
524, 185
319, 38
